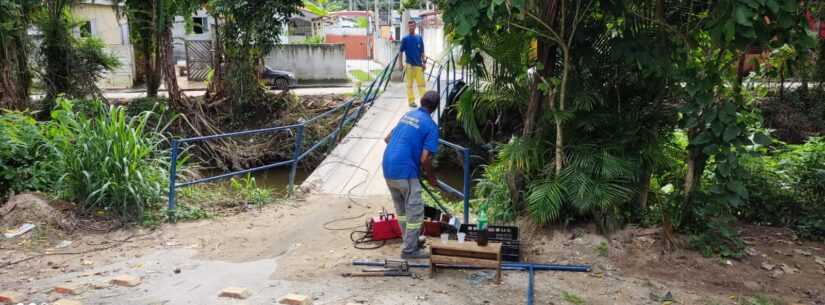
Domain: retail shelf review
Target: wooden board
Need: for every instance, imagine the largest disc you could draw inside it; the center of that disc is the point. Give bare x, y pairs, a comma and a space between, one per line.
471, 246
468, 253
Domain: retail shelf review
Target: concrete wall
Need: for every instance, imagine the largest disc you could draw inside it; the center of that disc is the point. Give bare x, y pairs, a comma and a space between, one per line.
321, 62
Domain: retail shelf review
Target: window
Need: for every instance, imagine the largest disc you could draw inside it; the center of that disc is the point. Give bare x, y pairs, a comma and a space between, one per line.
199, 25
86, 29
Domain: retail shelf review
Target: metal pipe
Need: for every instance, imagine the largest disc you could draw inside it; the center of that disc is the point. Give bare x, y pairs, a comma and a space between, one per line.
343, 121
450, 189
299, 137
173, 165
510, 266
240, 172
466, 190
530, 274
238, 133
328, 112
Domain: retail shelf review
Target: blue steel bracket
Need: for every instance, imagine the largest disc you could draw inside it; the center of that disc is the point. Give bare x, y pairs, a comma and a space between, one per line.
296, 153
173, 165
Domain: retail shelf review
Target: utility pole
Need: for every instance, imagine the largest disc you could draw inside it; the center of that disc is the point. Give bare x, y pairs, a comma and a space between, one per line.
389, 18
377, 18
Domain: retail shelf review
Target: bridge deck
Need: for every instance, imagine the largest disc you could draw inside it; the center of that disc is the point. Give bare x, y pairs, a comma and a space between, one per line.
354, 166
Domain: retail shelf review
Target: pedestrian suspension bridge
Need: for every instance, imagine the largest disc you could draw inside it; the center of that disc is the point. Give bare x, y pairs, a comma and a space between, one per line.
353, 167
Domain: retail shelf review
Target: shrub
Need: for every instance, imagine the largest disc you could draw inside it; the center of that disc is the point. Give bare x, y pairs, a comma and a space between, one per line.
24, 155
787, 187
109, 163
247, 189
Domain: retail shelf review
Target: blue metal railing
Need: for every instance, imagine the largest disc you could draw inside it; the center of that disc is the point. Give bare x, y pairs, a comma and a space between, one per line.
465, 194
378, 84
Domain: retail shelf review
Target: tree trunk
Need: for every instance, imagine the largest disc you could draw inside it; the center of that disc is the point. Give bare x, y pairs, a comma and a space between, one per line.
216, 85
7, 87
696, 161
150, 70
644, 187
168, 68
533, 105
559, 125
24, 74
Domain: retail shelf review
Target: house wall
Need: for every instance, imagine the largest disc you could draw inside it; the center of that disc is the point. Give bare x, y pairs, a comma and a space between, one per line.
114, 32
432, 31
385, 50
356, 46
180, 35
105, 24
316, 62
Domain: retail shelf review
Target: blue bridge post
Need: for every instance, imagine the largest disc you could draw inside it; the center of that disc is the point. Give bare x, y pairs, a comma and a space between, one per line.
299, 137
343, 121
173, 166
466, 189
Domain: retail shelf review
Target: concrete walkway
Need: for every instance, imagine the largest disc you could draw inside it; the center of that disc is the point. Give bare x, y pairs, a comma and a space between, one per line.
354, 166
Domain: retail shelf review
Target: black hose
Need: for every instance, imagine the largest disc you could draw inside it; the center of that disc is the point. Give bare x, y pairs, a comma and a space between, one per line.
366, 238
437, 202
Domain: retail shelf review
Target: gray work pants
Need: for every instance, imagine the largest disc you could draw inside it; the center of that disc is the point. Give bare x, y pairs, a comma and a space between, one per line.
406, 196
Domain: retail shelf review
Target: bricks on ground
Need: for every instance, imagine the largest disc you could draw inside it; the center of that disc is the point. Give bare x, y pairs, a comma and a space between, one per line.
295, 299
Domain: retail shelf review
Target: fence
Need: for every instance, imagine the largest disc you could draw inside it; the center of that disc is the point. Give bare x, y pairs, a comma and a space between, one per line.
379, 84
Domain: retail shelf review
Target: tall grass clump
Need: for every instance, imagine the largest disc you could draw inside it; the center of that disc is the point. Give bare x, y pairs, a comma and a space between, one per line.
110, 162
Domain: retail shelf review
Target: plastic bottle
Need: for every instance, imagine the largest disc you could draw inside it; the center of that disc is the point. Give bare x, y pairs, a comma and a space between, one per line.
482, 227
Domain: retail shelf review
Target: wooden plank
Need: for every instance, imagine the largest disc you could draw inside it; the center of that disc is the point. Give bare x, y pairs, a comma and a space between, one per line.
362, 147
468, 254
492, 247
451, 260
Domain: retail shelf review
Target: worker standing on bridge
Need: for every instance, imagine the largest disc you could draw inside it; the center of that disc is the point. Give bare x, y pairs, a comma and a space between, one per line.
413, 47
410, 147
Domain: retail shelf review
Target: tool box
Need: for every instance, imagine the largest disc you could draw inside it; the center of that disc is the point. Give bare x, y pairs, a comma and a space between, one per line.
384, 227
507, 235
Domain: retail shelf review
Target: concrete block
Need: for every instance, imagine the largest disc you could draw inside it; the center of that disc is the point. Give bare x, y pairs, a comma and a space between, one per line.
72, 289
295, 299
126, 281
10, 297
67, 302
235, 293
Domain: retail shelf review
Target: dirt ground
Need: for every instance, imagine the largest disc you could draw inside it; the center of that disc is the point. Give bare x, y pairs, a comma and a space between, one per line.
285, 248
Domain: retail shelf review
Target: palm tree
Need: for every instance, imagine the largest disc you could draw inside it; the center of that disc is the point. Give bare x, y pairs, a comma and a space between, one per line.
322, 8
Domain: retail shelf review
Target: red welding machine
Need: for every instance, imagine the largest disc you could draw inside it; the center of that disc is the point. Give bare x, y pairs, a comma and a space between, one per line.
384, 227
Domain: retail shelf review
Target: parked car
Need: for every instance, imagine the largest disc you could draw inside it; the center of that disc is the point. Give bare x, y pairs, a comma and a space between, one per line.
278, 79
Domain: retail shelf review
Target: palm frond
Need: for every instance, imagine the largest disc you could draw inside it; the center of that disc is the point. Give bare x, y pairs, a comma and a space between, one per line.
545, 200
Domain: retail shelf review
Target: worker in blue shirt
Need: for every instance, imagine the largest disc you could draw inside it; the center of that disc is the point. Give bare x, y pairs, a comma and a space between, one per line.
413, 47
410, 147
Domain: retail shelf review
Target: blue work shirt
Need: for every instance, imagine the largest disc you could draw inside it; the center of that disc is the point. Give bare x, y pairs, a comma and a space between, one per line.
413, 47
415, 132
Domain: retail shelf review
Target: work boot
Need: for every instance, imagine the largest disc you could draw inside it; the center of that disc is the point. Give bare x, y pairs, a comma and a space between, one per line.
420, 254
413, 105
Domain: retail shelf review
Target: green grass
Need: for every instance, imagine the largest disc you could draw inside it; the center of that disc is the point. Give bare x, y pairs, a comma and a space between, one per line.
762, 300
572, 298
361, 75
603, 249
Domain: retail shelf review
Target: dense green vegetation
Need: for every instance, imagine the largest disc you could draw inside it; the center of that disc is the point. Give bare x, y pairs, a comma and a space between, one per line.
111, 160
102, 160
640, 111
